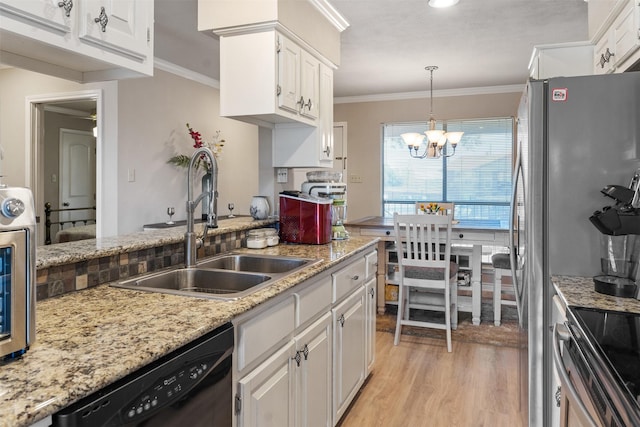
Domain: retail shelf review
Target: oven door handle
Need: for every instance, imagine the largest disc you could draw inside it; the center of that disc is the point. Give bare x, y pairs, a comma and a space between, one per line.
561, 333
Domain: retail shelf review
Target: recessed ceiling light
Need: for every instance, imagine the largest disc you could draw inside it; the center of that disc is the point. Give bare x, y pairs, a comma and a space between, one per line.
442, 3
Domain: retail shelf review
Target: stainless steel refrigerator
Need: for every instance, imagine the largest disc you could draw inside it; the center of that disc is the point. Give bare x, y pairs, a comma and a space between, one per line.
574, 136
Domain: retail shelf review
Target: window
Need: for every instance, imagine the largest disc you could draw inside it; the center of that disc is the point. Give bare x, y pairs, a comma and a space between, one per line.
477, 179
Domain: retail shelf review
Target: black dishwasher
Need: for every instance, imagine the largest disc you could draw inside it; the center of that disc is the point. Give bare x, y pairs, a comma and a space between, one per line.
189, 387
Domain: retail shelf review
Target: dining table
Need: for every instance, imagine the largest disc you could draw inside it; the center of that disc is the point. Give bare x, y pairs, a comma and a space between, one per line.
468, 239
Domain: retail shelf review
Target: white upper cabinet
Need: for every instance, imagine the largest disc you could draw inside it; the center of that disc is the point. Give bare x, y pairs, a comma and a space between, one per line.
114, 25
561, 60
265, 77
297, 145
48, 15
79, 40
617, 42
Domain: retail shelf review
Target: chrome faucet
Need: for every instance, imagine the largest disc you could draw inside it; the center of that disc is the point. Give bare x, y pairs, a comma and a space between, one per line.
191, 242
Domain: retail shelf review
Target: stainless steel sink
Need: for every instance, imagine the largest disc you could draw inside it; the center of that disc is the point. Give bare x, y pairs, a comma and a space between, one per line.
256, 263
226, 277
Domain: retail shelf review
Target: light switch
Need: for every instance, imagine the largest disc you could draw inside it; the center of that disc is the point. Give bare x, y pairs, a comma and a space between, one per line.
282, 176
131, 175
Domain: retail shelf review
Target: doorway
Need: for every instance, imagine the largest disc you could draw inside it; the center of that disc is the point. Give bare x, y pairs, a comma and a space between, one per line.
49, 115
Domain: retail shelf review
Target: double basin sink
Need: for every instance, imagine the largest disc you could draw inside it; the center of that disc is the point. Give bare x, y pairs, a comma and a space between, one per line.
225, 277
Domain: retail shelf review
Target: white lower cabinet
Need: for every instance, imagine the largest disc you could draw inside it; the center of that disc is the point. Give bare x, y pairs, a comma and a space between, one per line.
264, 395
300, 359
313, 375
293, 386
348, 351
370, 315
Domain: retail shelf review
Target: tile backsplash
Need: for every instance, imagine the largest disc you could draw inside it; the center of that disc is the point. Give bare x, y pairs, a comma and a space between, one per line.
60, 279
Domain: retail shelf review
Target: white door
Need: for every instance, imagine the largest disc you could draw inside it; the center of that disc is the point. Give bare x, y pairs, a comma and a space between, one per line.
77, 173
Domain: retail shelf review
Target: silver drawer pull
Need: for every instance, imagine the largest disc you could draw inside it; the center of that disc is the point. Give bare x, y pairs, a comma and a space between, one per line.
355, 277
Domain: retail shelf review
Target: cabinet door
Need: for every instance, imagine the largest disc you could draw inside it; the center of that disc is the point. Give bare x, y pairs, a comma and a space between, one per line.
309, 85
626, 31
266, 393
288, 74
122, 26
348, 351
42, 14
326, 145
370, 337
313, 376
604, 55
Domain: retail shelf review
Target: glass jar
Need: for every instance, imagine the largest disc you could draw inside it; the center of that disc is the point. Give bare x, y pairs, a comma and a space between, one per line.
338, 212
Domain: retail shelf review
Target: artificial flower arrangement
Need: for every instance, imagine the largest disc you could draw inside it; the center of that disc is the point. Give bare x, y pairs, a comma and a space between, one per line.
431, 208
215, 146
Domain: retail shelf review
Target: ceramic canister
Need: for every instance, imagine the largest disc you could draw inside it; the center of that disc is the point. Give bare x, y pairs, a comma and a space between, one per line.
259, 208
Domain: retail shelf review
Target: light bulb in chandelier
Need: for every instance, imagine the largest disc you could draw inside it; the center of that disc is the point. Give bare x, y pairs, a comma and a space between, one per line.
439, 142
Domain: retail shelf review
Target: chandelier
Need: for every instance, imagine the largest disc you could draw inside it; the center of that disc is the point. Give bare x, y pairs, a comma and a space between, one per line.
438, 143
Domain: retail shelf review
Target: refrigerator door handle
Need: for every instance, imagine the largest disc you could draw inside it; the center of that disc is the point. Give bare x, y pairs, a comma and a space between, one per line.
513, 256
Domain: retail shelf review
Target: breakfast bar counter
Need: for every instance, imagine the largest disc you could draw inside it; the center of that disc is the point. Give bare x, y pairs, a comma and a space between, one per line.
88, 339
465, 239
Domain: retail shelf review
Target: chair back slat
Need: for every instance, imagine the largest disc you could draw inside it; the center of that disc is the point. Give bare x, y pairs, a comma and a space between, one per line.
426, 239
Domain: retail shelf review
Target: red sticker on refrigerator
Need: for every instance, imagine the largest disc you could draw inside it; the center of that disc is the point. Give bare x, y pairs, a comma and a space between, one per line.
559, 94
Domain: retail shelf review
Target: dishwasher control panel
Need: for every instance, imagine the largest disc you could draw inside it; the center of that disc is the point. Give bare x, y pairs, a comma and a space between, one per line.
166, 391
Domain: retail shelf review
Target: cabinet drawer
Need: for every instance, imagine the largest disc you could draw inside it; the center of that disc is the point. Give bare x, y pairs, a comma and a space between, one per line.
371, 261
266, 329
348, 278
313, 300
378, 232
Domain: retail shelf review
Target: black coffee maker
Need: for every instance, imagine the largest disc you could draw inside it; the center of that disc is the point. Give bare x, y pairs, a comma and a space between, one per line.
620, 240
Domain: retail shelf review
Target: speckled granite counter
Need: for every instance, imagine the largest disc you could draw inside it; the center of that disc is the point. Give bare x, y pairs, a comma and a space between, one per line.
88, 339
65, 253
579, 291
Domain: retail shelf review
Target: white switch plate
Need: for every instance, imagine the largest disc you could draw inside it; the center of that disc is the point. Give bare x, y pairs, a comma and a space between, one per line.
131, 175
282, 176
353, 178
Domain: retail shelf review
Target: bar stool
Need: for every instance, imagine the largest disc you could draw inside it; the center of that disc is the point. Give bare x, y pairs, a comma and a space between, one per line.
502, 268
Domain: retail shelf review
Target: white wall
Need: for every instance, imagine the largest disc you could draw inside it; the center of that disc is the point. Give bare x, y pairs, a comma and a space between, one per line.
152, 117
364, 156
147, 129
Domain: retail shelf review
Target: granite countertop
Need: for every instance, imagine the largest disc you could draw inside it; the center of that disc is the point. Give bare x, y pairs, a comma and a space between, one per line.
88, 339
579, 292
66, 253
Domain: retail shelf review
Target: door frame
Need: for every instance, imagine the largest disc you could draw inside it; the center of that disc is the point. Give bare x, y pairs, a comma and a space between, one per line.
34, 149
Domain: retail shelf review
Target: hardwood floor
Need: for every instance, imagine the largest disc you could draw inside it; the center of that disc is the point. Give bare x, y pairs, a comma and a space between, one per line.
418, 383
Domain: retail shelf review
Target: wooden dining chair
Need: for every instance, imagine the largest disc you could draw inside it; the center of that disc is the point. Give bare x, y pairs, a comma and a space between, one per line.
424, 258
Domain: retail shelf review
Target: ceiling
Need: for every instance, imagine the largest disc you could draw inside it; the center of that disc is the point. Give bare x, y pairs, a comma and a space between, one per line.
475, 44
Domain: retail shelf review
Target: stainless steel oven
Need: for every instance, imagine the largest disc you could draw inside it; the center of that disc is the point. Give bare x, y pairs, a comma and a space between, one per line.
188, 387
598, 365
17, 271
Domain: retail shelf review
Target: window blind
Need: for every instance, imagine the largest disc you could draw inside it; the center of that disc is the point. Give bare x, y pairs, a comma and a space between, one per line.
477, 178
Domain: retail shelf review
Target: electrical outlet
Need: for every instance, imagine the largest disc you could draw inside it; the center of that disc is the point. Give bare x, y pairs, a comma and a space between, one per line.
355, 179
282, 176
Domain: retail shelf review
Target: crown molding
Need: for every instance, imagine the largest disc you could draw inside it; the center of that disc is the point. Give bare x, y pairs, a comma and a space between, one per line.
333, 16
487, 90
186, 73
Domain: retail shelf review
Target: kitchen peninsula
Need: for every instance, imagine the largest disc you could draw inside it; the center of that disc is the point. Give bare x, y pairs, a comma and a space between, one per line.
88, 339
467, 240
